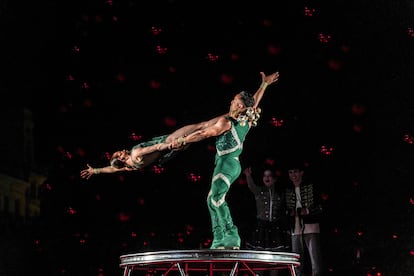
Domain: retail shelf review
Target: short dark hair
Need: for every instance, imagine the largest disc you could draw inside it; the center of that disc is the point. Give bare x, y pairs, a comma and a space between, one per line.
247, 98
295, 164
116, 163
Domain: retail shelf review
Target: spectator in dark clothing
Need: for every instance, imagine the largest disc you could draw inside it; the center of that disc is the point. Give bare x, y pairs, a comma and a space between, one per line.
303, 203
271, 231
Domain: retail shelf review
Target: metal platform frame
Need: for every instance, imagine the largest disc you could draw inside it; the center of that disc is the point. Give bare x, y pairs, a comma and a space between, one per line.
208, 261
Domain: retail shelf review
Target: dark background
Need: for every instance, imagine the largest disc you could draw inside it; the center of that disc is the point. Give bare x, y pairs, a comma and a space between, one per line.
99, 76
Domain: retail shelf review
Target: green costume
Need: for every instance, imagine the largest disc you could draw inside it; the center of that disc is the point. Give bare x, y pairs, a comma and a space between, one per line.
154, 141
227, 169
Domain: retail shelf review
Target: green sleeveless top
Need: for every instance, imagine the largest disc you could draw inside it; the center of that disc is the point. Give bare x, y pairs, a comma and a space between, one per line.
230, 143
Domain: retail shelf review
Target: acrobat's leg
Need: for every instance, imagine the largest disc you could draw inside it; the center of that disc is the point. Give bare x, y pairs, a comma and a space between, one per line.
216, 224
222, 221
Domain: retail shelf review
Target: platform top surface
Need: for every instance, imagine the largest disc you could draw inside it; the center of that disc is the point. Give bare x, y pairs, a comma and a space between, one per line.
253, 258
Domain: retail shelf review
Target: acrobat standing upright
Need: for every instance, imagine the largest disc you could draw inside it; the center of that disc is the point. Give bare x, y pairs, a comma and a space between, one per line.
230, 131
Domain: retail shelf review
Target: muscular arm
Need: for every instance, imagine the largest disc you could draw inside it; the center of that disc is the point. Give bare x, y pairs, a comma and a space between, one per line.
213, 121
212, 128
141, 151
188, 129
266, 80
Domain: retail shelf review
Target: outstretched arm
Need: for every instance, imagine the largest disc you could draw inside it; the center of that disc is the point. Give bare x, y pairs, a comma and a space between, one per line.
266, 80
87, 173
249, 179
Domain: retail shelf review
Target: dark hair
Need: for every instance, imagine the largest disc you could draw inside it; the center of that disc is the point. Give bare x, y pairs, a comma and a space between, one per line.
295, 164
116, 163
272, 171
247, 98
273, 168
